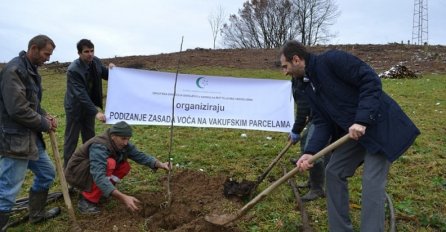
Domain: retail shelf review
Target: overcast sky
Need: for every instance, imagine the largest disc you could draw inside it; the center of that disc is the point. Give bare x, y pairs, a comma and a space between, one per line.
148, 27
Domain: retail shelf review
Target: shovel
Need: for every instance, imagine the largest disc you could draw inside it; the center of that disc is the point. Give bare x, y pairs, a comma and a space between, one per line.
227, 218
63, 182
268, 169
247, 188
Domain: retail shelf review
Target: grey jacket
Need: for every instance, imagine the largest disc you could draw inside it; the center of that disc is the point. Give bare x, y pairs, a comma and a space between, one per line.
78, 102
21, 118
88, 163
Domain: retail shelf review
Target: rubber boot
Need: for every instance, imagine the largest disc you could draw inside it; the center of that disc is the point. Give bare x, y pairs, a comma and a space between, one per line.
36, 207
4, 217
316, 179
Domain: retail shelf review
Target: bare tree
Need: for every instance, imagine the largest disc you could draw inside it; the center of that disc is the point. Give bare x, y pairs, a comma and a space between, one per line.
216, 20
269, 23
261, 24
315, 17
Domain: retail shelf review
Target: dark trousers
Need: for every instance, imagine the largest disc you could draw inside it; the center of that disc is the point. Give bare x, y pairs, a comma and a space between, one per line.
74, 126
317, 172
343, 164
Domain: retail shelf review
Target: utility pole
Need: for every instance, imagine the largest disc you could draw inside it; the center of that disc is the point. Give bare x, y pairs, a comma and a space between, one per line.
420, 34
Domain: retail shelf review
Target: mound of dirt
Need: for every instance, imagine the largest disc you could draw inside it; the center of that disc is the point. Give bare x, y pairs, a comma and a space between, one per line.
397, 72
419, 59
194, 195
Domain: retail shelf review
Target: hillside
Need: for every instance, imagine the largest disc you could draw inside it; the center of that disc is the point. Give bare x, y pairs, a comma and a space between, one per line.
419, 59
205, 158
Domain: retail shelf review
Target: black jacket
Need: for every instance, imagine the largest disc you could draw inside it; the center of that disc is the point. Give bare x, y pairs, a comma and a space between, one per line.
343, 90
78, 101
303, 110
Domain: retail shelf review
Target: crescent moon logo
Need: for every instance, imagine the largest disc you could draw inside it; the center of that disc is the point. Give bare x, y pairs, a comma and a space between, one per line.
201, 82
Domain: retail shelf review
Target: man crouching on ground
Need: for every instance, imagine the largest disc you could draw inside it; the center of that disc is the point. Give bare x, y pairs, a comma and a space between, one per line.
101, 162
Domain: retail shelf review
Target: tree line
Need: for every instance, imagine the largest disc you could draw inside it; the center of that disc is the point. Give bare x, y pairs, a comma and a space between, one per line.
269, 23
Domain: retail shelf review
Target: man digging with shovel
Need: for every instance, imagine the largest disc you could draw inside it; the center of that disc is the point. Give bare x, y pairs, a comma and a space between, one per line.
346, 97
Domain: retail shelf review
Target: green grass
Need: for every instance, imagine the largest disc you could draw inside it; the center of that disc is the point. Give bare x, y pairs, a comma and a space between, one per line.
416, 181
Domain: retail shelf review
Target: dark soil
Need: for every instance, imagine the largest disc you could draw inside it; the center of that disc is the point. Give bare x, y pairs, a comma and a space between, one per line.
194, 195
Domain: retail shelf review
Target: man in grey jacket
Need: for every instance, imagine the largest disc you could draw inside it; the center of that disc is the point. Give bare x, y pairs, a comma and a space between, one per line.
102, 162
83, 99
22, 122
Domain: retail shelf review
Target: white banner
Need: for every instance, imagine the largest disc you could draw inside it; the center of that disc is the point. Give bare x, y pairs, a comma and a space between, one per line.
145, 97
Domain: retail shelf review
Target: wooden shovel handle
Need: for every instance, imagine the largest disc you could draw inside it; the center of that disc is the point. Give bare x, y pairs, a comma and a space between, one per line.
271, 165
291, 173
62, 179
227, 218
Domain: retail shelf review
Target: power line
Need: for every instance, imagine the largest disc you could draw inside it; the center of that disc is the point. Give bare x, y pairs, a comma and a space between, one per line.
420, 27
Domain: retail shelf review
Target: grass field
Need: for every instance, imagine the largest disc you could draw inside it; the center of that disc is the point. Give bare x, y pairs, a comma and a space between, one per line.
417, 181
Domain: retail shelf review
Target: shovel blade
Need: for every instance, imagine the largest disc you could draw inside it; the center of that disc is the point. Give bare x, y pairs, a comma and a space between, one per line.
220, 220
227, 218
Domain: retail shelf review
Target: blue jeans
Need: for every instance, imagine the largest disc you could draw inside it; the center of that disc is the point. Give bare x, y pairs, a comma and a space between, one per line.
13, 172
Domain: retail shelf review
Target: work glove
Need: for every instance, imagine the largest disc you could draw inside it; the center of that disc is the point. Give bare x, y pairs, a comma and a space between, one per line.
294, 137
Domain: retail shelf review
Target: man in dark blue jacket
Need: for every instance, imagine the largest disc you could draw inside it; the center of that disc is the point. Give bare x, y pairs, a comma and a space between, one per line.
83, 99
346, 96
